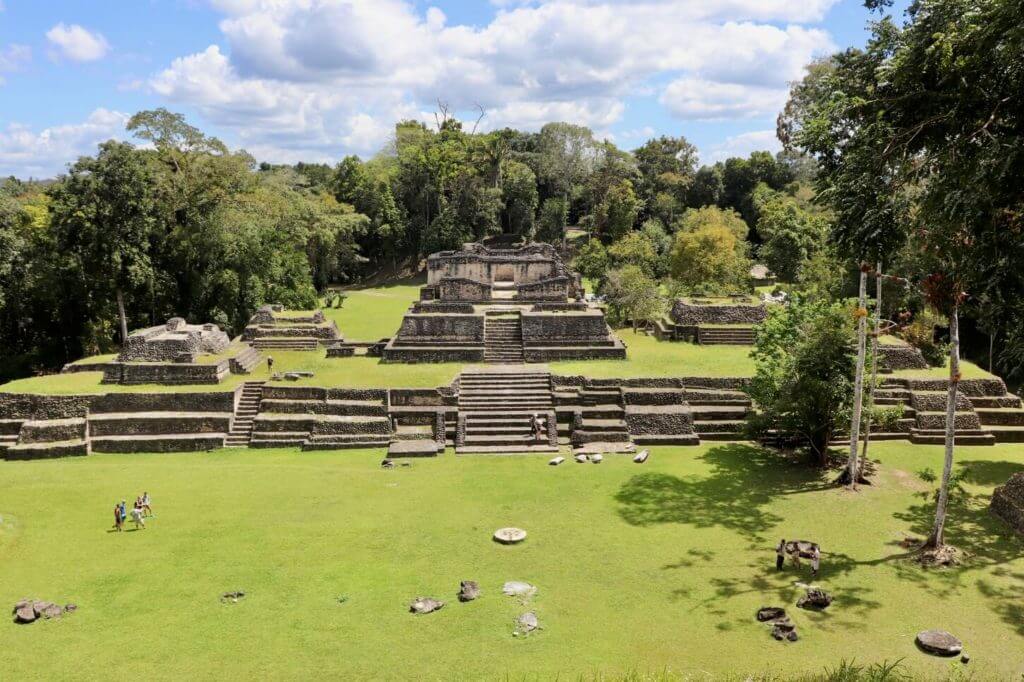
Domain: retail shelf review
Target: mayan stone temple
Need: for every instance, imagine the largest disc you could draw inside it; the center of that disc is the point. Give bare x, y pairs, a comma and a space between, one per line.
505, 305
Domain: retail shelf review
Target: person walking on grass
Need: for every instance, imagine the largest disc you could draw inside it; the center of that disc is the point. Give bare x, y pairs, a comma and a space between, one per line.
124, 511
118, 519
137, 518
145, 504
780, 555
815, 561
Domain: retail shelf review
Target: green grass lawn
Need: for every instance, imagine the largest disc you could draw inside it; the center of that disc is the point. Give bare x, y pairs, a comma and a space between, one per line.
374, 313
647, 568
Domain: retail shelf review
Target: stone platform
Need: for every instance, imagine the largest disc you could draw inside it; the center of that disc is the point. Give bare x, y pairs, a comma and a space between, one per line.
501, 306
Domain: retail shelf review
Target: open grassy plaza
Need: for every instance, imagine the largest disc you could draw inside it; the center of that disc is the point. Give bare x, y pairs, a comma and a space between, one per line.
640, 570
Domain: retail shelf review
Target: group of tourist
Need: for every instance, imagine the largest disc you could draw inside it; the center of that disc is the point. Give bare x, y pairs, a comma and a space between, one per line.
793, 551
138, 512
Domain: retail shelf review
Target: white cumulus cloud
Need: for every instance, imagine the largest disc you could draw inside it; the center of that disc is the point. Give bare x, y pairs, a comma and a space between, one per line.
42, 154
77, 43
742, 145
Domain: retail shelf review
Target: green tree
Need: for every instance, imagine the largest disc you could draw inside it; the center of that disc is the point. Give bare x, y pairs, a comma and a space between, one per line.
103, 216
618, 211
519, 193
634, 295
636, 248
695, 219
592, 261
791, 237
803, 381
554, 214
710, 258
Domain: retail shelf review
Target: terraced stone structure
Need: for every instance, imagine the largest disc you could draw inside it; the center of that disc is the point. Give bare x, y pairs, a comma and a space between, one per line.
510, 305
713, 321
177, 353
1008, 502
273, 327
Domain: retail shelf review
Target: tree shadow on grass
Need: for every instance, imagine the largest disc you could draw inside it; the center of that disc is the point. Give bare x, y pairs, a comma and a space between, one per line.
737, 494
989, 473
1005, 600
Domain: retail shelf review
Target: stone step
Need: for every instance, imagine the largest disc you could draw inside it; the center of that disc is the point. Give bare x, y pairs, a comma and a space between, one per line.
422, 447
961, 437
511, 401
719, 426
605, 425
581, 436
667, 439
1007, 434
286, 343
995, 401
501, 439
1004, 416
604, 448
603, 411
719, 412
721, 435
346, 442
67, 448
504, 449
176, 442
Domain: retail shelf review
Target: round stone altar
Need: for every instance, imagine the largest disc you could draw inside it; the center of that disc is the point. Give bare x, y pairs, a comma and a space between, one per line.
509, 536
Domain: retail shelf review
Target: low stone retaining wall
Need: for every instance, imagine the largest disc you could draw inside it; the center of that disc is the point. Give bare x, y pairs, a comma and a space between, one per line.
199, 401
900, 357
684, 313
659, 420
168, 373
34, 406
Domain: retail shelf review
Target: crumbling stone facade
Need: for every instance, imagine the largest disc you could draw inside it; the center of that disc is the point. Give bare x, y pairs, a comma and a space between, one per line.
174, 341
1008, 502
501, 305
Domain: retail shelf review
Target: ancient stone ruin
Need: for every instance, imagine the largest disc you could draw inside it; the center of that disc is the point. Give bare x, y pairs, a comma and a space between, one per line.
502, 305
729, 320
174, 341
272, 327
1008, 502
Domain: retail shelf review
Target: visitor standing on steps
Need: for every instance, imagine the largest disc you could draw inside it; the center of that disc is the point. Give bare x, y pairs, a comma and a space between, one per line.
270, 364
780, 555
536, 423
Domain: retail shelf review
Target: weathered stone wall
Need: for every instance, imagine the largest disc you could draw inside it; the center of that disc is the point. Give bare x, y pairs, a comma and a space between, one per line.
167, 373
161, 425
32, 406
175, 341
199, 401
52, 431
429, 329
1008, 502
584, 328
554, 289
443, 307
406, 397
900, 357
659, 419
463, 289
684, 313
969, 387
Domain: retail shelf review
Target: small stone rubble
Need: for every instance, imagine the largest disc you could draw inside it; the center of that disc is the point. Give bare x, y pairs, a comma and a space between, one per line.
28, 610
782, 627
468, 590
816, 599
422, 605
939, 643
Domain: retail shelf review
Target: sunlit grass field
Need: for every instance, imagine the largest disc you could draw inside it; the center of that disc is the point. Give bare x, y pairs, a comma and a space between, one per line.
654, 568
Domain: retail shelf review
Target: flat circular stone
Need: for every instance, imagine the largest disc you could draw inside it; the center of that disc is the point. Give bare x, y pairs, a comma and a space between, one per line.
509, 536
939, 642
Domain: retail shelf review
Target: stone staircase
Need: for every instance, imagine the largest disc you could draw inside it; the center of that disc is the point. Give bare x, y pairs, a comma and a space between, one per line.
600, 425
286, 343
244, 362
503, 339
495, 410
1002, 415
718, 414
246, 411
736, 336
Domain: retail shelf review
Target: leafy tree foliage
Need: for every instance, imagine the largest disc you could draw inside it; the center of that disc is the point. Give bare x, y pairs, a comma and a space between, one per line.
803, 383
710, 258
633, 295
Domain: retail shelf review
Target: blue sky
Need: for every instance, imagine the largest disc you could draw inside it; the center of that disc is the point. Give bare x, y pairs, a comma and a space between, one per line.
314, 80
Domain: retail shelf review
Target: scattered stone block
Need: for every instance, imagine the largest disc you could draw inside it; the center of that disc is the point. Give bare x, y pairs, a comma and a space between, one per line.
515, 588
556, 461
641, 456
815, 599
509, 536
30, 610
580, 459
597, 459
422, 605
387, 464
526, 623
468, 590
232, 597
24, 613
767, 613
939, 643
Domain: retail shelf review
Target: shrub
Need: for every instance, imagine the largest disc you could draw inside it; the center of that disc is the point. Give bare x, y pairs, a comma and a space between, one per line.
921, 334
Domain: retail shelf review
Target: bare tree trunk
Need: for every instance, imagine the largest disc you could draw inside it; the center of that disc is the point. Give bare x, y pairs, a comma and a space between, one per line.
124, 320
858, 379
991, 349
874, 364
937, 539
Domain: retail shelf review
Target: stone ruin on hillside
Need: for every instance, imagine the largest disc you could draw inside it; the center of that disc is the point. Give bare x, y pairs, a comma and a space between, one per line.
274, 328
502, 305
1008, 502
174, 341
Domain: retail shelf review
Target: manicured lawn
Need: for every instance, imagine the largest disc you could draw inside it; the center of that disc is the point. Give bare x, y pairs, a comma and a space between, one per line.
646, 356
647, 568
374, 313
89, 382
